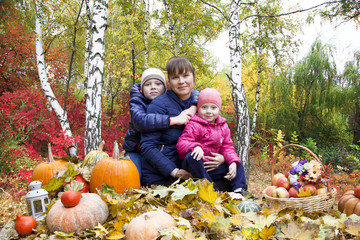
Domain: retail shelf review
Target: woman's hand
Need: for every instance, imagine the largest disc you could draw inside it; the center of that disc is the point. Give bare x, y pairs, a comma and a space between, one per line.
214, 162
191, 110
181, 119
232, 171
183, 174
198, 153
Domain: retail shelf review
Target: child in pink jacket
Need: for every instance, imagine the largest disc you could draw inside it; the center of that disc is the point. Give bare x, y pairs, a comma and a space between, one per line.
208, 132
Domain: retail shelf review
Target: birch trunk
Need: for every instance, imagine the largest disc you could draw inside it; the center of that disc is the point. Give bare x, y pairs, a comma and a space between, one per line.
237, 89
87, 45
44, 83
93, 106
146, 54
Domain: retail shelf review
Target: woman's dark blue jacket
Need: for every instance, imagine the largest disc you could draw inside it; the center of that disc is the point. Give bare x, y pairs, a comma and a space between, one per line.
141, 121
158, 148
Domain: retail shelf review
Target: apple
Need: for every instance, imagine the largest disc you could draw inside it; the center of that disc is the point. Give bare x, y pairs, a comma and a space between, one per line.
287, 174
283, 182
357, 192
281, 192
275, 178
293, 192
321, 191
79, 178
311, 187
269, 190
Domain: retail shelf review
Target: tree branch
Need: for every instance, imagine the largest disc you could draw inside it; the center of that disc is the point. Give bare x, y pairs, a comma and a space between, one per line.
219, 10
289, 13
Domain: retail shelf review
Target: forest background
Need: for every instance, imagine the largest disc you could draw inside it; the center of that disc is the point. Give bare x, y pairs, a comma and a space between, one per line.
309, 101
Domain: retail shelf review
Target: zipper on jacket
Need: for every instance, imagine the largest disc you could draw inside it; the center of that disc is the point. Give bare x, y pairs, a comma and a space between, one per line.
162, 148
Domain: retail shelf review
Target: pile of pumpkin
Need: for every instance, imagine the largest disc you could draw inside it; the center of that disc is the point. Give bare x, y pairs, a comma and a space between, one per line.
117, 172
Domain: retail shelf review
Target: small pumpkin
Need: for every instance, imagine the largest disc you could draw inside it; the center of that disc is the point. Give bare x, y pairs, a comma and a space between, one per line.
147, 225
349, 203
70, 198
24, 225
248, 206
46, 170
90, 211
94, 156
116, 172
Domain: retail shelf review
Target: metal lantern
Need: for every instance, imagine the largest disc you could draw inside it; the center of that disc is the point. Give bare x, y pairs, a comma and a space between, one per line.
36, 200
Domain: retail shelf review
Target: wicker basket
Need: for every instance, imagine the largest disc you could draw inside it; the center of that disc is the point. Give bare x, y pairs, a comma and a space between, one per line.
310, 204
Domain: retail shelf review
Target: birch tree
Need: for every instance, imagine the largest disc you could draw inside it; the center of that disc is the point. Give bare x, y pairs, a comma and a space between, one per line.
44, 83
95, 81
237, 88
252, 40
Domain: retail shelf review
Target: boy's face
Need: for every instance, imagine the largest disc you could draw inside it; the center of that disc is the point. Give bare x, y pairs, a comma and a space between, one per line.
209, 111
153, 88
182, 84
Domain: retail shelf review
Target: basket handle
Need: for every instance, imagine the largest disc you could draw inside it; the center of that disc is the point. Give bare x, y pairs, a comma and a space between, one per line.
302, 147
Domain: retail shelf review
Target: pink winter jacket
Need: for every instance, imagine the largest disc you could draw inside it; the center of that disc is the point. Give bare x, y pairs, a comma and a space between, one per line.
211, 137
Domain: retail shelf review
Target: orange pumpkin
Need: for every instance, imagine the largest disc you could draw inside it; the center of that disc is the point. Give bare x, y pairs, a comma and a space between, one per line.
147, 225
46, 170
90, 211
349, 204
121, 174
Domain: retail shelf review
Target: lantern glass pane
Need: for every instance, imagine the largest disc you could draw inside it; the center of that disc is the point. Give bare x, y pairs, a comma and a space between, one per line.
38, 206
28, 203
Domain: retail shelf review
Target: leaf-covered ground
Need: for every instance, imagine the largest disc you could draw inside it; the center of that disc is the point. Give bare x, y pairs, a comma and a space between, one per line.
201, 213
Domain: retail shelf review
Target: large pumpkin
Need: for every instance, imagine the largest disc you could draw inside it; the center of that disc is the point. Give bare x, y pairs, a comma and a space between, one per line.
349, 203
147, 225
90, 211
118, 173
46, 170
94, 156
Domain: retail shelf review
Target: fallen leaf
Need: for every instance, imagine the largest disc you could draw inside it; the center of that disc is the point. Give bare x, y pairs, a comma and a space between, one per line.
207, 193
294, 231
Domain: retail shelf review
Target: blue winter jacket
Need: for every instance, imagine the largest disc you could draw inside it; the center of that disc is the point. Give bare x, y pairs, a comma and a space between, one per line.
141, 121
158, 149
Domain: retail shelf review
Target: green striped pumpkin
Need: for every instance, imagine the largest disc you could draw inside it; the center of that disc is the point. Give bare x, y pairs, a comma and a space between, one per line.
248, 206
94, 156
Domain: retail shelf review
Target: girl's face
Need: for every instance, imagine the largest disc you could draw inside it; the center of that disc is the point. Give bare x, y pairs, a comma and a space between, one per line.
153, 88
209, 111
182, 84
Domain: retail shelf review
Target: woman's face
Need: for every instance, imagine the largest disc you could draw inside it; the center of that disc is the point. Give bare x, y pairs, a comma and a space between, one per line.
182, 84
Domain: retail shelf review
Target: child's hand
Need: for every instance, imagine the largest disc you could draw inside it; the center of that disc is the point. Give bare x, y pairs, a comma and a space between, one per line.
198, 153
232, 171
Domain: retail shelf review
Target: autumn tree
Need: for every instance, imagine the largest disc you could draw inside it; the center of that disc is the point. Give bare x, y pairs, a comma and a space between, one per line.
351, 82
17, 51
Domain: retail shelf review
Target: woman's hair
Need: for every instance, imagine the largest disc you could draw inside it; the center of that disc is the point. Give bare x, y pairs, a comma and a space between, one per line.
179, 65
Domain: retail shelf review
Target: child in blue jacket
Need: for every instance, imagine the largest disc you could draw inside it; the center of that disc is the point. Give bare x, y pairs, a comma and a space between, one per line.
152, 85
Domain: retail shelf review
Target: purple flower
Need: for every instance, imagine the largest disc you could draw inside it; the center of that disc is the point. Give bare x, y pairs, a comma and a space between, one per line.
292, 171
298, 168
297, 185
302, 161
305, 173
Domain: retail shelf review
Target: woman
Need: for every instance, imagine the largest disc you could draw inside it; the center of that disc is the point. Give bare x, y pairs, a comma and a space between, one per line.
161, 165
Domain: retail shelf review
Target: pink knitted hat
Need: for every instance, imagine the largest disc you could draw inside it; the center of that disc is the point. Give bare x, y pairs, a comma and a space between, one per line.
209, 95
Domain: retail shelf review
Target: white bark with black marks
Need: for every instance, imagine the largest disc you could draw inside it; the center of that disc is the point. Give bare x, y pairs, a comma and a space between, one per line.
44, 83
93, 106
